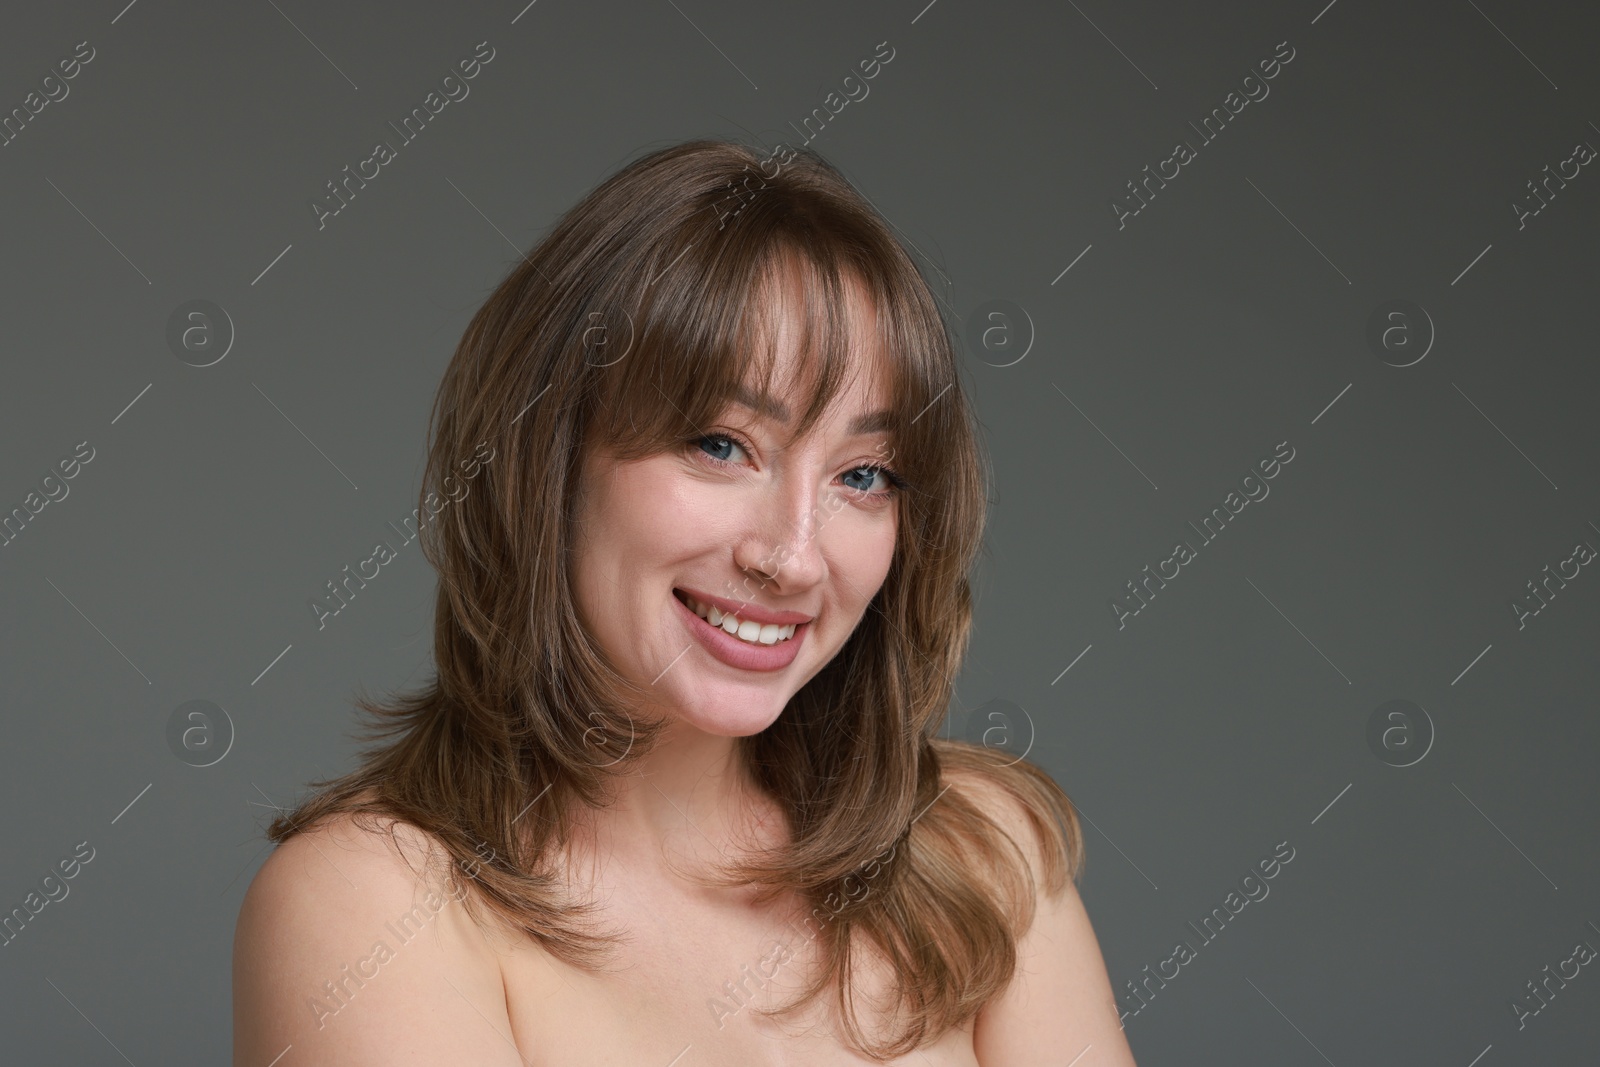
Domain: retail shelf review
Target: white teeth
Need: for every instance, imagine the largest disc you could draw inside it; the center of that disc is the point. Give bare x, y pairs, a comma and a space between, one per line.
744, 629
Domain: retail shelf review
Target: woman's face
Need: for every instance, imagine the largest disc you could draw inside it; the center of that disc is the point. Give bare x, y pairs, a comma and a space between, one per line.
817, 517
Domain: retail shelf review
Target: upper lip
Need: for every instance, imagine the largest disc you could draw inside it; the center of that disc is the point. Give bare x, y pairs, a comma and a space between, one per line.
746, 610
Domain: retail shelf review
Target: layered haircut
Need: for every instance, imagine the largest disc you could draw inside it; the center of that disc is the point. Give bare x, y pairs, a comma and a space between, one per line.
629, 327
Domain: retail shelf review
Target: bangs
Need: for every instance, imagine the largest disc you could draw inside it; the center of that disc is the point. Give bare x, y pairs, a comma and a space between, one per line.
707, 336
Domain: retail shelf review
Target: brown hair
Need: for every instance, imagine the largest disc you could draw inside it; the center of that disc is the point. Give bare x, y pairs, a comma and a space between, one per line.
631, 324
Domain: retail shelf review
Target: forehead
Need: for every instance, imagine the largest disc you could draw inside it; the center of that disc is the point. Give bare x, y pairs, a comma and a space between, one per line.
865, 413
788, 321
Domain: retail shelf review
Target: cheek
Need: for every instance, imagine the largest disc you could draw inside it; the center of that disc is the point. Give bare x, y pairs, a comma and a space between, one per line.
641, 521
860, 547
669, 516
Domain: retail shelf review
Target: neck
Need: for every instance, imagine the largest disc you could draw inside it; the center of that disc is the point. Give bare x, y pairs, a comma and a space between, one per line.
688, 804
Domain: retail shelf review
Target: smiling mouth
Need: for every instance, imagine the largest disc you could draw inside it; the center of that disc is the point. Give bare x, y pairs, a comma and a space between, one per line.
746, 630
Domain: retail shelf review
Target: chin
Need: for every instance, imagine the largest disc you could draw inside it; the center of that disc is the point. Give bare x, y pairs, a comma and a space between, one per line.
731, 716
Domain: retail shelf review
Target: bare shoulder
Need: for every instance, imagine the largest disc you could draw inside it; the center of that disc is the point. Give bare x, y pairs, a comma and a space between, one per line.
1022, 801
1060, 1003
353, 946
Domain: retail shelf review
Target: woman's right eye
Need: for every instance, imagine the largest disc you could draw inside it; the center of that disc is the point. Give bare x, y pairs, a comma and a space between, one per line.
719, 446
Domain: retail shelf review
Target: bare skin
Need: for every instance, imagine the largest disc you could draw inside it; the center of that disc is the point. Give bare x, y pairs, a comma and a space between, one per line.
442, 990
447, 991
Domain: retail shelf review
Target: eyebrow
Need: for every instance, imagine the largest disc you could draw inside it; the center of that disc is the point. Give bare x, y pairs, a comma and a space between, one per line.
771, 407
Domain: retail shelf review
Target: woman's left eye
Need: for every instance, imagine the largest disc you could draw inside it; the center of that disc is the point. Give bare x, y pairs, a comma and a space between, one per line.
868, 474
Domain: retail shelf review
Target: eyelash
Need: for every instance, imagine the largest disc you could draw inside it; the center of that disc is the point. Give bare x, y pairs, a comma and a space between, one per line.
897, 484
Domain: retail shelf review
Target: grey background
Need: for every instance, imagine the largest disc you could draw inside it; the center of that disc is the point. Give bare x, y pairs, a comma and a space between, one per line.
1229, 315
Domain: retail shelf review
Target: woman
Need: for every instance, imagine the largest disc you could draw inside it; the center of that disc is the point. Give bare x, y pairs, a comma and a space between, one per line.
676, 794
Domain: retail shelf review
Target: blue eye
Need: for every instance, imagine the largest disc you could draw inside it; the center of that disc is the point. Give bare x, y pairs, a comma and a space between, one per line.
716, 449
723, 441
895, 482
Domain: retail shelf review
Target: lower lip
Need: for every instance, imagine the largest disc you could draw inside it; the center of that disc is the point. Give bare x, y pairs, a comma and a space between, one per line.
739, 653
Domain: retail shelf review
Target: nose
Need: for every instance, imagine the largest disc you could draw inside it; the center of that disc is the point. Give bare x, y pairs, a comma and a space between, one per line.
782, 549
